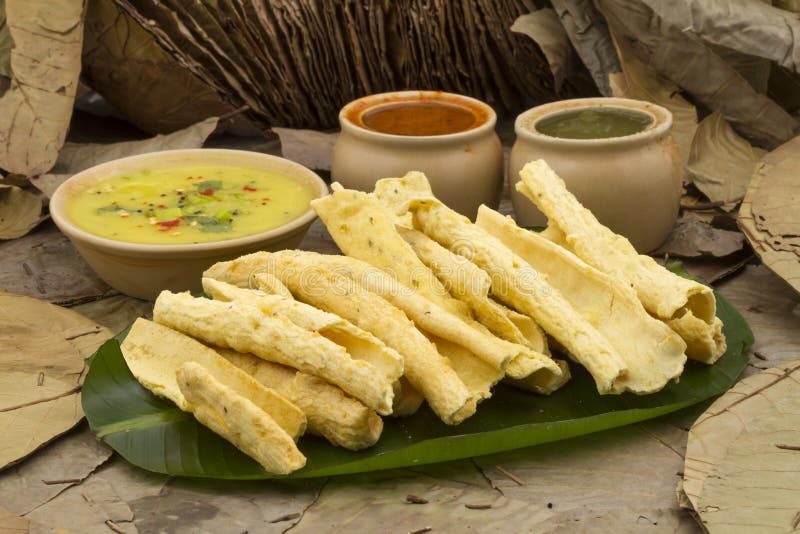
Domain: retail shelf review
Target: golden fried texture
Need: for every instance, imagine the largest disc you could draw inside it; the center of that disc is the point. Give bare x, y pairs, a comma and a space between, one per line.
514, 281
238, 420
331, 413
245, 328
652, 352
154, 353
663, 294
427, 370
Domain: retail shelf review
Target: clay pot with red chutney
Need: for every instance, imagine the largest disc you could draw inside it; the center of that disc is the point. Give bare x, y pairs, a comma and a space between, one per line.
447, 136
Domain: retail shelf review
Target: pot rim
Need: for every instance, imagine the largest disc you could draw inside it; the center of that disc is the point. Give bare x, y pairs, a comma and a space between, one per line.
79, 181
371, 101
524, 125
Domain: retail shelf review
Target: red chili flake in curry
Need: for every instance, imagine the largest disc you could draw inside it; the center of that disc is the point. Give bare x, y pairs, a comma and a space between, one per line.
248, 188
207, 192
166, 225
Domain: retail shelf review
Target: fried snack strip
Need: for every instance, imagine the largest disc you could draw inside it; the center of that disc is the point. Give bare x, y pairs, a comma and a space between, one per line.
360, 345
154, 353
407, 400
704, 343
513, 281
670, 297
471, 284
269, 284
331, 413
427, 370
238, 420
477, 375
542, 384
245, 328
535, 337
363, 229
652, 352
378, 255
518, 361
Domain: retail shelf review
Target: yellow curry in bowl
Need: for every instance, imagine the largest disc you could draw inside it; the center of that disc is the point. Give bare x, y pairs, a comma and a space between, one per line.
188, 204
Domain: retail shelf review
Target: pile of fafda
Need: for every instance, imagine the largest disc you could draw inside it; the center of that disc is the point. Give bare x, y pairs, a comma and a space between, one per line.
424, 306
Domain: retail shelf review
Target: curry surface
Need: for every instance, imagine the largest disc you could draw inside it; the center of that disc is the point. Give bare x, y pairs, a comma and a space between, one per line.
193, 204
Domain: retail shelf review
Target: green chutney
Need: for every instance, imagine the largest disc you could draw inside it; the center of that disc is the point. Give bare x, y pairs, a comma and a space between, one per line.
594, 123
192, 204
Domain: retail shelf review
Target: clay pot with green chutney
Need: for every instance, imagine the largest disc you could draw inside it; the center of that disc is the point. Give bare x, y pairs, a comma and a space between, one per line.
615, 155
447, 136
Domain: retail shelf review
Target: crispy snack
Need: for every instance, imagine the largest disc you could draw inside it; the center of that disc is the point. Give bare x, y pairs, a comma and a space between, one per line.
542, 384
360, 345
471, 284
477, 375
535, 337
664, 294
407, 400
154, 353
363, 229
427, 370
331, 413
514, 281
704, 343
238, 420
246, 328
518, 361
377, 256
269, 284
652, 352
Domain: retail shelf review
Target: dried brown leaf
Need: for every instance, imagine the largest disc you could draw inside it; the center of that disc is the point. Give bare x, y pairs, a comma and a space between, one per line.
721, 163
691, 238
5, 46
307, 147
19, 180
753, 28
45, 265
544, 27
768, 215
296, 63
76, 157
115, 313
74, 456
693, 66
736, 477
45, 63
20, 211
640, 82
42, 353
15, 524
138, 77
588, 32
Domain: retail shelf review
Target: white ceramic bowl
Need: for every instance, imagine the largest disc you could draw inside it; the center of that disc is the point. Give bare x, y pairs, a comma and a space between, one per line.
143, 270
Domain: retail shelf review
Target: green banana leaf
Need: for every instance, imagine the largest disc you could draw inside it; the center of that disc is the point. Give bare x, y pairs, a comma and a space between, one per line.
152, 433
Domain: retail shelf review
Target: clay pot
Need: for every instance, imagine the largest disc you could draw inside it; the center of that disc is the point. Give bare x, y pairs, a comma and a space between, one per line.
465, 168
632, 184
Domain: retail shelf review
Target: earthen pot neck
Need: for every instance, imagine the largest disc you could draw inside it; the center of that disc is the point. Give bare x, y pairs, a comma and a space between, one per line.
351, 123
525, 125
